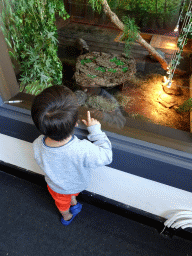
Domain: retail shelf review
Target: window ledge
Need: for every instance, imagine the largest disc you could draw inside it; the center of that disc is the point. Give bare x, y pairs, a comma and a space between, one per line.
140, 142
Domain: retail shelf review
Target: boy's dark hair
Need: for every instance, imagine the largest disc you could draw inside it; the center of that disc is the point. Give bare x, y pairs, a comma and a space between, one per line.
55, 112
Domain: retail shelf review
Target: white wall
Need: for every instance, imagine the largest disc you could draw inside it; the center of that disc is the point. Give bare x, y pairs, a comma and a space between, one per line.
144, 194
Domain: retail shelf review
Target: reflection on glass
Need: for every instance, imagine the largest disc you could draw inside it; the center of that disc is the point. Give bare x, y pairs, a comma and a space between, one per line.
103, 106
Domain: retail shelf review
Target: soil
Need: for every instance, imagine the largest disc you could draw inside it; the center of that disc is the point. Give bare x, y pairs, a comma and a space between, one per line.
144, 103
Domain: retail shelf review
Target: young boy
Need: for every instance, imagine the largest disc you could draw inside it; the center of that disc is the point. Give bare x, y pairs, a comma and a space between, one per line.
66, 160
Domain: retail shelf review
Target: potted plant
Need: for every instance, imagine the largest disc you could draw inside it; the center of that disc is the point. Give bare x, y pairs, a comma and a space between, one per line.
31, 35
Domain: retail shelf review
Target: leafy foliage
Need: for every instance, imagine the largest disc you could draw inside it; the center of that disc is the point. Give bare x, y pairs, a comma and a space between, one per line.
117, 62
130, 33
186, 106
91, 76
31, 35
124, 69
112, 70
86, 60
96, 5
101, 69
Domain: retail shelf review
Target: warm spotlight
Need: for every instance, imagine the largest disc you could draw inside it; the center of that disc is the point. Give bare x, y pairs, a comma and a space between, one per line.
165, 79
169, 84
176, 28
171, 45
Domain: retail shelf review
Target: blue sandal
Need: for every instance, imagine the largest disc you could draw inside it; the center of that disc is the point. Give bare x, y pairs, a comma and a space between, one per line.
74, 210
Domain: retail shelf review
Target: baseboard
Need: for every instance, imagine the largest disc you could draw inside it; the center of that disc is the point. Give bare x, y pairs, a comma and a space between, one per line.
102, 202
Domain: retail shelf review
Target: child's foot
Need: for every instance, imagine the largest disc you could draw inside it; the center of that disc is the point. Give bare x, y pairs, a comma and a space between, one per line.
66, 215
74, 210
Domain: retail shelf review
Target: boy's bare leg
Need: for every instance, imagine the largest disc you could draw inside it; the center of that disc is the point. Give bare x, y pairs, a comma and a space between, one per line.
73, 200
66, 215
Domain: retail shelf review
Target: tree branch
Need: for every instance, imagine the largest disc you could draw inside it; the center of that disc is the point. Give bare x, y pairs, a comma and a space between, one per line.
114, 19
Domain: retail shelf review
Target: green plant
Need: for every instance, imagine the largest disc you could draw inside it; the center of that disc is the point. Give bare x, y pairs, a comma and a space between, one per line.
96, 5
112, 70
91, 76
31, 35
186, 106
130, 33
124, 69
100, 69
116, 61
85, 61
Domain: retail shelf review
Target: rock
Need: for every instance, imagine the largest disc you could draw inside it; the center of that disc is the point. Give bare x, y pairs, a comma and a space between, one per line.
81, 97
166, 100
103, 70
82, 46
105, 55
90, 65
173, 90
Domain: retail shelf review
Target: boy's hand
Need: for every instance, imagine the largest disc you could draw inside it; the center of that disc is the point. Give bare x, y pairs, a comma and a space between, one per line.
90, 121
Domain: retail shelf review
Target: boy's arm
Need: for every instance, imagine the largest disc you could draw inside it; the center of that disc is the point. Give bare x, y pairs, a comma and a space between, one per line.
99, 152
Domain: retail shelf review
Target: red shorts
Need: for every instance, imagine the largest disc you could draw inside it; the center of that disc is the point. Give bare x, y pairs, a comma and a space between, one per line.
63, 202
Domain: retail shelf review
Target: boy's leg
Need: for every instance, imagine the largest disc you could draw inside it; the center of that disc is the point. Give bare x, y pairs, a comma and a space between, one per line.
62, 202
66, 215
73, 200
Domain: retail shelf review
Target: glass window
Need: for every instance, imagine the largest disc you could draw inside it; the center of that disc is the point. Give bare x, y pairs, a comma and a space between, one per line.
127, 95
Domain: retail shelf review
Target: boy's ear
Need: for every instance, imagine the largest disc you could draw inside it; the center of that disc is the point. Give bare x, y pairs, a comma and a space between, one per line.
76, 125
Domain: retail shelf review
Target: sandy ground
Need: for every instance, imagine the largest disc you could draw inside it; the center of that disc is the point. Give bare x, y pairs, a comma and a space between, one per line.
143, 102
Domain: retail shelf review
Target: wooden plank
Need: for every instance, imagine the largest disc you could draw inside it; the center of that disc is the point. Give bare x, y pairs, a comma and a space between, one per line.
145, 36
117, 47
164, 42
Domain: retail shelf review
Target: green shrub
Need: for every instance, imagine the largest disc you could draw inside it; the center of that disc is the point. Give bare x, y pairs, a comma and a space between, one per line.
31, 35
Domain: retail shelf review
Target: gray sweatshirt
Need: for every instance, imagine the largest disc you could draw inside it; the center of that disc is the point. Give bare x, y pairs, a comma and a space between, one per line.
67, 168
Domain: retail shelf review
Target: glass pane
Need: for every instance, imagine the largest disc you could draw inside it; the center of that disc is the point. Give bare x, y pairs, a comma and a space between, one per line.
123, 93
126, 94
